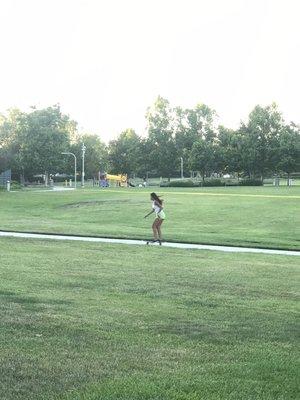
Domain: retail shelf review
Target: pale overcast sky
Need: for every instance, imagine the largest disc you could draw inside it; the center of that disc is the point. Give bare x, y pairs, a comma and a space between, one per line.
105, 61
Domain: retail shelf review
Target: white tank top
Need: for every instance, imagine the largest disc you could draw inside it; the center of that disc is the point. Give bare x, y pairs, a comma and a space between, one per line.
155, 207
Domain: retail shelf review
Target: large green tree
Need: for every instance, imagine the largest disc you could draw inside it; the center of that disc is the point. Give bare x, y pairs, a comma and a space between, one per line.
42, 141
96, 156
190, 125
124, 153
161, 140
229, 143
12, 126
201, 120
259, 138
288, 159
202, 157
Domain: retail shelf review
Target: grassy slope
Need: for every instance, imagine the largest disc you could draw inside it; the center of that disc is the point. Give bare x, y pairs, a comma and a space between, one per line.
265, 217
84, 322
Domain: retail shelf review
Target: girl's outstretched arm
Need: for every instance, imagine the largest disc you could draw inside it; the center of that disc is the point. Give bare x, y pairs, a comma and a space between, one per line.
151, 212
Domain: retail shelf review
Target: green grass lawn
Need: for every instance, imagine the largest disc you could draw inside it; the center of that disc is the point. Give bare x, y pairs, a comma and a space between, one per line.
257, 217
83, 321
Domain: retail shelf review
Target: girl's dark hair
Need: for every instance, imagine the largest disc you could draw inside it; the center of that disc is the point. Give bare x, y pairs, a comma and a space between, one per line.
156, 198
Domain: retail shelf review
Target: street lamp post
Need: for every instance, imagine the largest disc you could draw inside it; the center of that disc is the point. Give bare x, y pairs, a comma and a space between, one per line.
82, 175
181, 167
75, 172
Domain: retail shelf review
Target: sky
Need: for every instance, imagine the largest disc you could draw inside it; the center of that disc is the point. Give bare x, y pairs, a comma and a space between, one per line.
106, 61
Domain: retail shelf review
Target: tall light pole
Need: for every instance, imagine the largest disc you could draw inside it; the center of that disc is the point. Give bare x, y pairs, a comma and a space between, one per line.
82, 175
75, 172
181, 167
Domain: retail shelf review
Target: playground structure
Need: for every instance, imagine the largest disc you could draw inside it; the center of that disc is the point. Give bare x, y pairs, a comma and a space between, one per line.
106, 180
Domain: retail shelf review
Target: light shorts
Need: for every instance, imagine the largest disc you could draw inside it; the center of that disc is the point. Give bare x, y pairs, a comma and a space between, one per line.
161, 215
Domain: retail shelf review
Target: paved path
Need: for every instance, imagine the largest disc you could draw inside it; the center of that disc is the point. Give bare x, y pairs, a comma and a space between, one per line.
61, 188
142, 242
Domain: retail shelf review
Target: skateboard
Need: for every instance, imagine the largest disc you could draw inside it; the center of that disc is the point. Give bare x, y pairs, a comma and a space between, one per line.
153, 242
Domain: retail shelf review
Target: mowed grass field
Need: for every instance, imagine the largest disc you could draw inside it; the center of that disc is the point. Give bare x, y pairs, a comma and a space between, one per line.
84, 321
254, 217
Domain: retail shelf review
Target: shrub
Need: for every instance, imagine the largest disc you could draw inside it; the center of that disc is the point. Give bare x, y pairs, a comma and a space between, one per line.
212, 182
64, 178
231, 182
154, 183
15, 185
164, 184
268, 181
182, 183
251, 182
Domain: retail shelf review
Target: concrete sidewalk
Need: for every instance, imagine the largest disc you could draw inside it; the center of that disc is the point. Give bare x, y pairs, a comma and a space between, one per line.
143, 243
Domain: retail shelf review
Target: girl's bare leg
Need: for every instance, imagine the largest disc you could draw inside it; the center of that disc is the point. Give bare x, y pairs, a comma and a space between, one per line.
160, 221
155, 230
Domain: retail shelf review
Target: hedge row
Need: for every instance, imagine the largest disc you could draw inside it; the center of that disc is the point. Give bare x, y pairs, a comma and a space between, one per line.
211, 183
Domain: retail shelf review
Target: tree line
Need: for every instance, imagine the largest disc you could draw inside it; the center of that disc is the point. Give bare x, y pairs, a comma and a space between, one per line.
31, 143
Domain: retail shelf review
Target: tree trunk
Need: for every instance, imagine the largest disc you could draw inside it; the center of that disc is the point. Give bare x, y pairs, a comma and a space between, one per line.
22, 179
